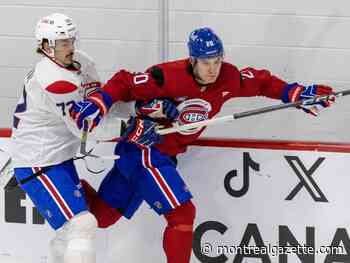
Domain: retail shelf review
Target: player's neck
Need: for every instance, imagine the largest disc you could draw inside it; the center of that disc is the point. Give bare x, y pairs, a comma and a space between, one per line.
75, 66
202, 86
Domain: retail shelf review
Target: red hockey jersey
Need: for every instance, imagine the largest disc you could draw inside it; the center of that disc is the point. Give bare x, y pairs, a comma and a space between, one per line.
174, 80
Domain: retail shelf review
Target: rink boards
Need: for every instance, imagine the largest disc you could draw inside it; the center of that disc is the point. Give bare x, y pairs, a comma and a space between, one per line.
256, 202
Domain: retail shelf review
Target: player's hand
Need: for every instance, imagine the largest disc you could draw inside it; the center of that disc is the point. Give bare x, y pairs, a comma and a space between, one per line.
157, 109
141, 132
94, 107
294, 92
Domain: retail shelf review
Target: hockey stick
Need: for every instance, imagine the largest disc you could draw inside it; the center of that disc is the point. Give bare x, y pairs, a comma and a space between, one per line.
258, 111
13, 183
83, 140
5, 169
83, 144
5, 160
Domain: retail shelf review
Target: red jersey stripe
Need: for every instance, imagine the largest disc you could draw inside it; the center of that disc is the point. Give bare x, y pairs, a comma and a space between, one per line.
62, 205
159, 178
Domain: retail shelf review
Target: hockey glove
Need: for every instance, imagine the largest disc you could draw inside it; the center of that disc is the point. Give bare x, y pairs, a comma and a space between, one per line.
141, 132
94, 107
294, 92
157, 109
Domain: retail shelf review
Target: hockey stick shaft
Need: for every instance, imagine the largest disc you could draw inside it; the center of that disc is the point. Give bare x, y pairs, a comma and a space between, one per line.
258, 111
83, 139
83, 145
84, 133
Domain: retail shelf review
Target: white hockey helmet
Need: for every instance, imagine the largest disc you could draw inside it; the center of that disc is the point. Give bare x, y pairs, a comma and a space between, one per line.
54, 27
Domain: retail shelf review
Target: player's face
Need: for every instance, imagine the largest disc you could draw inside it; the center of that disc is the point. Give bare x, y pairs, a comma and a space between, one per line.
64, 51
207, 70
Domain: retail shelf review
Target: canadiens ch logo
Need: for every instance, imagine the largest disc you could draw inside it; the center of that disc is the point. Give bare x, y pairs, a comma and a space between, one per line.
191, 111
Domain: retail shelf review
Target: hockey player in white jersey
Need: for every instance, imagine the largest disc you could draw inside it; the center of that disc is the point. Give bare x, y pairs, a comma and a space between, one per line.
45, 139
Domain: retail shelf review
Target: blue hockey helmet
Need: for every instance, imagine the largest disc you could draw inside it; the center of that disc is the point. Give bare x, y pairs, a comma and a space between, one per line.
204, 43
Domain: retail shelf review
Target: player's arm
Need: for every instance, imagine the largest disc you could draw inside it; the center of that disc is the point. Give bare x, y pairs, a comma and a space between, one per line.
262, 83
123, 86
59, 97
147, 89
111, 124
127, 86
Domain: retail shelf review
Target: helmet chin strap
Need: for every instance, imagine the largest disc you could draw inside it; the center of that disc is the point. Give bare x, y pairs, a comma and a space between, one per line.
50, 54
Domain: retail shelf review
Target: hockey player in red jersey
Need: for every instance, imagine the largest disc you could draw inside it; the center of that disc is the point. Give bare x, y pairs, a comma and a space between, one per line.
192, 89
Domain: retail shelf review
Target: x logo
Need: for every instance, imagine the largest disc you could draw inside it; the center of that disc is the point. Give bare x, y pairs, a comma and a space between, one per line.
306, 180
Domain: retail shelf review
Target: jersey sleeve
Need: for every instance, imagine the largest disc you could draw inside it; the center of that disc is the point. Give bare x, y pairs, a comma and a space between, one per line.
260, 83
62, 95
126, 86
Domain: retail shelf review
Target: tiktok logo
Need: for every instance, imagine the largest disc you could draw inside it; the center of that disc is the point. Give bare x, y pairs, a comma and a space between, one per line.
247, 163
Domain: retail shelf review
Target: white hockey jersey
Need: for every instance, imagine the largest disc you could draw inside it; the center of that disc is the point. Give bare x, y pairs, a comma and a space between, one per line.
43, 132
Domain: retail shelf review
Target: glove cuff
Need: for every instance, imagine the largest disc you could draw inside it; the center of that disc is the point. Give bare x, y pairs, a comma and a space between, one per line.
291, 92
102, 100
152, 109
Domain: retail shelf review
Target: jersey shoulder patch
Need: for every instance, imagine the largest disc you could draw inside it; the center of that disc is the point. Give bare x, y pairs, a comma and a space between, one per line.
157, 74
